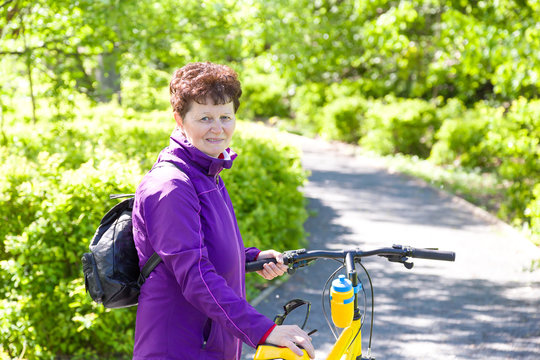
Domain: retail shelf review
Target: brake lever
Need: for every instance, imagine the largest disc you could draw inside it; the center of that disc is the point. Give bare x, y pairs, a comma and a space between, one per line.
400, 259
293, 265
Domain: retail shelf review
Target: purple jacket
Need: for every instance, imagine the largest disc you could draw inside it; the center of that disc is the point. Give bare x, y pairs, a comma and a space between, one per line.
193, 304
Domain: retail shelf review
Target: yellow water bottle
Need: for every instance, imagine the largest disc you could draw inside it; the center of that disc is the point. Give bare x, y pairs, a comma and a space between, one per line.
342, 301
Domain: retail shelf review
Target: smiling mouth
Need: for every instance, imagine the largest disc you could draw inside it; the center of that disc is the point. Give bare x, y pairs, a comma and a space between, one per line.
214, 140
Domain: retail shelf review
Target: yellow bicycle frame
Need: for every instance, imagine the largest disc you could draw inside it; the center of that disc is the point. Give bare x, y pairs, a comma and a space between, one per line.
349, 343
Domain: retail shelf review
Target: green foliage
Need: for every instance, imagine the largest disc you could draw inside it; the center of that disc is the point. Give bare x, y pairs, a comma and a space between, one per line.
343, 118
404, 126
264, 95
314, 112
57, 180
461, 134
46, 307
533, 212
499, 60
513, 144
472, 51
306, 104
146, 89
503, 143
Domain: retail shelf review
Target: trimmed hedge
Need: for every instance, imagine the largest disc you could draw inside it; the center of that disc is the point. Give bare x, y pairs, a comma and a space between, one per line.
57, 178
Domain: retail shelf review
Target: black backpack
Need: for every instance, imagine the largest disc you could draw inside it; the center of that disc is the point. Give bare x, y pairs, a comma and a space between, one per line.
111, 268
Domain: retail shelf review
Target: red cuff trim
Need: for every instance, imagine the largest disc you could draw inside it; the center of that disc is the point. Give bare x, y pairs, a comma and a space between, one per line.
265, 336
257, 256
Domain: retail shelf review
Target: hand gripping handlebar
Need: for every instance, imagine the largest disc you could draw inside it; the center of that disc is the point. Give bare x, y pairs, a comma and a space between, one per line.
258, 264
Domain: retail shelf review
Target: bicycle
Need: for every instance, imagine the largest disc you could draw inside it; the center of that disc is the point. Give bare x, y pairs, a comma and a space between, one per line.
349, 342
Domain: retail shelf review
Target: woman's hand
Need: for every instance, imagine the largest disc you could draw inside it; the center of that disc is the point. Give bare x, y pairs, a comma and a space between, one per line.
291, 336
272, 270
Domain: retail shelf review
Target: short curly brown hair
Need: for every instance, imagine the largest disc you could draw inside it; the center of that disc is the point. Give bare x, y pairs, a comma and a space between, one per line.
199, 81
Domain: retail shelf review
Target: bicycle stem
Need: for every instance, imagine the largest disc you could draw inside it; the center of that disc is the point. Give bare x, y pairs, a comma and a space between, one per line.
353, 277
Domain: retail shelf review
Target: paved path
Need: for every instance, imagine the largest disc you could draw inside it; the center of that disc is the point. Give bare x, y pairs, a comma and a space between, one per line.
485, 305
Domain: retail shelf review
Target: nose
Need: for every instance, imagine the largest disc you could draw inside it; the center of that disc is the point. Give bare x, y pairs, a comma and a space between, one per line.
217, 127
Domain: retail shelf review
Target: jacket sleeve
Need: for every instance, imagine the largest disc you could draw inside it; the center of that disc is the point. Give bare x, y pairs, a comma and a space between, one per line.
174, 227
252, 253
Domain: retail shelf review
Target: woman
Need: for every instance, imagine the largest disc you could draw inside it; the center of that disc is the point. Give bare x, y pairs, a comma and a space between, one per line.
193, 304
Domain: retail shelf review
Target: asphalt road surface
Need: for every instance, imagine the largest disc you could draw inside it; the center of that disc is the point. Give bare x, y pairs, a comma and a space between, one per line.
485, 305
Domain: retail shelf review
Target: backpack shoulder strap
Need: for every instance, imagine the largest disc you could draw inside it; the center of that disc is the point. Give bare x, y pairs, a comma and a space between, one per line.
150, 265
119, 196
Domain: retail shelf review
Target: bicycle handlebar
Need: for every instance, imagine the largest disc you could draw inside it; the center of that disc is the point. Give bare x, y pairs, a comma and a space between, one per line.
432, 254
258, 264
396, 253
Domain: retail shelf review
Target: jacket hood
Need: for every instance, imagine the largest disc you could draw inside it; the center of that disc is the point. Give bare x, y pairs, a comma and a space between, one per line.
181, 150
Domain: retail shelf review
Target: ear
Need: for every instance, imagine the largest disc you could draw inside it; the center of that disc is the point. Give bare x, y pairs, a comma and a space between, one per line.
179, 121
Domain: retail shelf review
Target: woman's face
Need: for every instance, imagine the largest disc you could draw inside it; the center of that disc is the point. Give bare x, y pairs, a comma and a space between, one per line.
208, 127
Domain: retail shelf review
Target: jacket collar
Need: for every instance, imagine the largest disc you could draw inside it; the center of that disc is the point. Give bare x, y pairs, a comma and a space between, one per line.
181, 148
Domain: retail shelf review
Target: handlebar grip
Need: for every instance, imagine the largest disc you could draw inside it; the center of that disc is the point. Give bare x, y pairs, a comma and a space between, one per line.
258, 264
433, 254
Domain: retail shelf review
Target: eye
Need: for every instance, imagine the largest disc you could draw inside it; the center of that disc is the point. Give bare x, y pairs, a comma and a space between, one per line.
226, 118
205, 118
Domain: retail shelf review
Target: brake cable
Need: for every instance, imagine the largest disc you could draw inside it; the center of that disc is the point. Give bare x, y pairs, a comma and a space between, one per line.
372, 306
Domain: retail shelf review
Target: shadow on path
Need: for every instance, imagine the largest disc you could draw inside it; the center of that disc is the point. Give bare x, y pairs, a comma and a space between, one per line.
388, 197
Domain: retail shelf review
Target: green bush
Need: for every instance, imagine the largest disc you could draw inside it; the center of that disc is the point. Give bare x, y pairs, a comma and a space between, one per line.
512, 143
460, 137
46, 307
344, 88
263, 95
533, 213
343, 118
503, 143
54, 193
404, 126
306, 104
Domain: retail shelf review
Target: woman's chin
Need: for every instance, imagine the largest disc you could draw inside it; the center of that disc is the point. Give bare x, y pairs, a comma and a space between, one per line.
214, 149
213, 152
